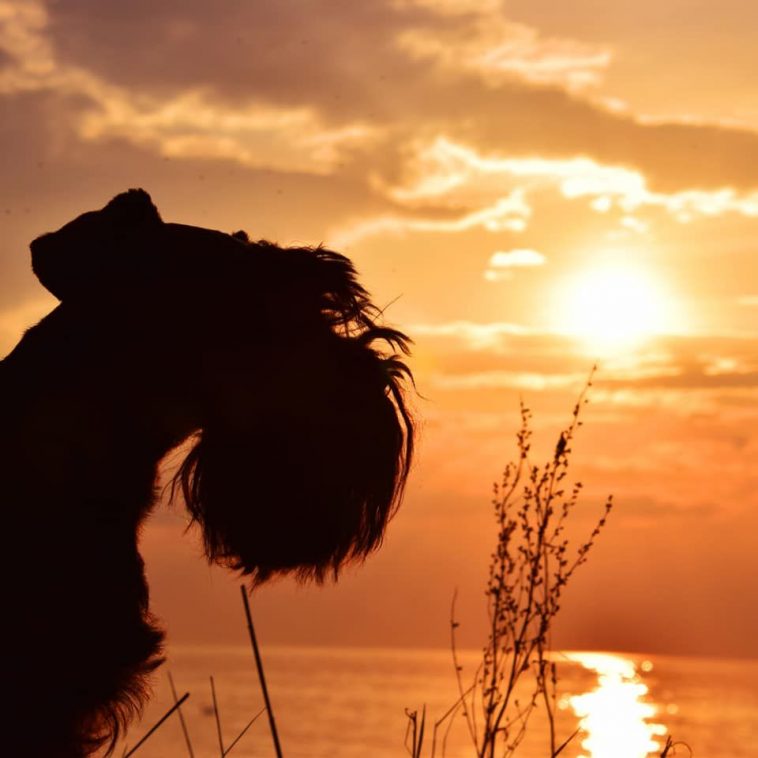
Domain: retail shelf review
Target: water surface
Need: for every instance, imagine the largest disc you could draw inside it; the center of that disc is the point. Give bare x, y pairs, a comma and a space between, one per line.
350, 703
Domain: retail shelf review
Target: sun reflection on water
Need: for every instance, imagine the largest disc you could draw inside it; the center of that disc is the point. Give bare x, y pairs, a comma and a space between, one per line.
614, 717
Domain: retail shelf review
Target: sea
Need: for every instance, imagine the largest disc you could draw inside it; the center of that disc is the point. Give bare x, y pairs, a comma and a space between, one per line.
360, 702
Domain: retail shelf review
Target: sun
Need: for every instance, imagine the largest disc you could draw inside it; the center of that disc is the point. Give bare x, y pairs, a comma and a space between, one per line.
613, 307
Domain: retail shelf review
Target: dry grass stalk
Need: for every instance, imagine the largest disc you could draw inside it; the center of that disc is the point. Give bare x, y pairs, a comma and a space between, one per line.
261, 673
217, 716
414, 733
156, 726
185, 731
224, 751
669, 749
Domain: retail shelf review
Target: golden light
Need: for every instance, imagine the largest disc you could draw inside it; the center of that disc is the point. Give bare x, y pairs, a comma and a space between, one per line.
615, 717
613, 307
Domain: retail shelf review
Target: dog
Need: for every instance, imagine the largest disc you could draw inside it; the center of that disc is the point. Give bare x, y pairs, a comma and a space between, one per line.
274, 369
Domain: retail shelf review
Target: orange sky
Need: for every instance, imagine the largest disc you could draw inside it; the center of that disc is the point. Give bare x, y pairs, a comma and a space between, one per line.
532, 185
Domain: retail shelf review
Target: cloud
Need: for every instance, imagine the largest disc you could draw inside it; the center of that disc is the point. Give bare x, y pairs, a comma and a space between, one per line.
467, 189
254, 135
444, 168
519, 258
509, 380
339, 58
29, 56
189, 123
475, 335
649, 506
502, 262
508, 213
497, 50
471, 355
453, 8
354, 44
348, 81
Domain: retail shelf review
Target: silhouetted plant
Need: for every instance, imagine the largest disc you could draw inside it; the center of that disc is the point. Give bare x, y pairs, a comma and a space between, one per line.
529, 569
176, 707
669, 749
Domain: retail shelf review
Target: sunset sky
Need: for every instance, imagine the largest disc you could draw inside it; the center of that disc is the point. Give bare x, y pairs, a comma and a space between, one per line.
529, 187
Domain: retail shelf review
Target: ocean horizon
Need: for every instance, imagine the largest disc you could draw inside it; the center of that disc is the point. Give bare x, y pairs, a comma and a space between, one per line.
349, 702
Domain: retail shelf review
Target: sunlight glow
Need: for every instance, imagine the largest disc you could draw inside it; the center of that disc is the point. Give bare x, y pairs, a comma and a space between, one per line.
613, 307
614, 716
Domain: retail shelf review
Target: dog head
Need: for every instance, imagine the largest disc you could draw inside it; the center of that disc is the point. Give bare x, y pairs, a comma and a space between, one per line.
296, 390
126, 245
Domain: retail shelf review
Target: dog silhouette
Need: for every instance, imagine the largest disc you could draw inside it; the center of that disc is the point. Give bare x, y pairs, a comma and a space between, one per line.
274, 367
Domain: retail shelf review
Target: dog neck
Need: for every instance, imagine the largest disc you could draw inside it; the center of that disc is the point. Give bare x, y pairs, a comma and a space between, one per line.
80, 413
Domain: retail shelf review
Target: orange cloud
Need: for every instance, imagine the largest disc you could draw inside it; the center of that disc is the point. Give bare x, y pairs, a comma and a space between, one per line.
469, 355
187, 124
502, 262
497, 49
509, 213
509, 380
444, 168
278, 87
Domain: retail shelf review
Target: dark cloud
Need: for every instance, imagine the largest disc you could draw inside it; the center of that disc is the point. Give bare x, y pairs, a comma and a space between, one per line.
692, 377
520, 120
627, 18
50, 175
342, 59
339, 55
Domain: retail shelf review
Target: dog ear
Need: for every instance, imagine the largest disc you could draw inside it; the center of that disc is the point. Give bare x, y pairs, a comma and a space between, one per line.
133, 210
99, 248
